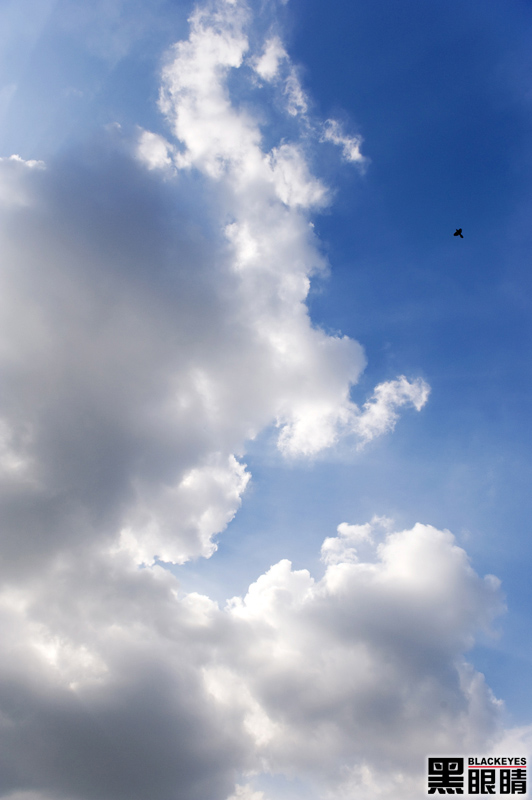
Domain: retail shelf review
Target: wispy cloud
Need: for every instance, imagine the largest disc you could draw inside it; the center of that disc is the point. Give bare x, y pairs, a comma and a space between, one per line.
332, 132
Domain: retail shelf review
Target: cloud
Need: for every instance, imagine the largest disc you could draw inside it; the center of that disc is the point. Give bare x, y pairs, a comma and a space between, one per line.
246, 793
14, 180
265, 191
154, 151
332, 132
379, 414
115, 683
267, 66
98, 700
297, 101
293, 182
177, 523
363, 672
344, 547
275, 66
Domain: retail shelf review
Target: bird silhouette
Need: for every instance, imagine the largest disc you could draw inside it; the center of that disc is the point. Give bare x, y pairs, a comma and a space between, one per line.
458, 232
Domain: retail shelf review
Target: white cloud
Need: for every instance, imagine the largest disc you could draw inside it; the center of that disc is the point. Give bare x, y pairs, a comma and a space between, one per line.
267, 66
365, 668
379, 414
154, 151
344, 683
332, 132
195, 98
225, 144
514, 740
344, 547
14, 177
176, 523
294, 184
274, 66
297, 101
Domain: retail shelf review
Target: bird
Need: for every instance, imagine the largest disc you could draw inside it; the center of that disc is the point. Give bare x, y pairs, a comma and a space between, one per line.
458, 232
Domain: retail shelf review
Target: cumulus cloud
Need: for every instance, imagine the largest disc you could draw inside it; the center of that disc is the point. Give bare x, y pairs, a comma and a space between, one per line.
344, 547
345, 682
267, 65
176, 523
153, 320
363, 672
154, 151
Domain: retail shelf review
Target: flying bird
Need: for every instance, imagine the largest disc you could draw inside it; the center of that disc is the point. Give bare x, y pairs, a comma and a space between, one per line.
458, 232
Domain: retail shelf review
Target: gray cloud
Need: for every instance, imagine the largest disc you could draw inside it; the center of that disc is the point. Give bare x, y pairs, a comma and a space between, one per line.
114, 682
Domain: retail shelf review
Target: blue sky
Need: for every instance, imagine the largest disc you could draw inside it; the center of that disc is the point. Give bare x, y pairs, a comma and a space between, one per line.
190, 259
441, 94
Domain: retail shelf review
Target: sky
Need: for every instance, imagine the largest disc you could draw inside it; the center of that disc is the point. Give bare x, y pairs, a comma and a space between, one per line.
264, 421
